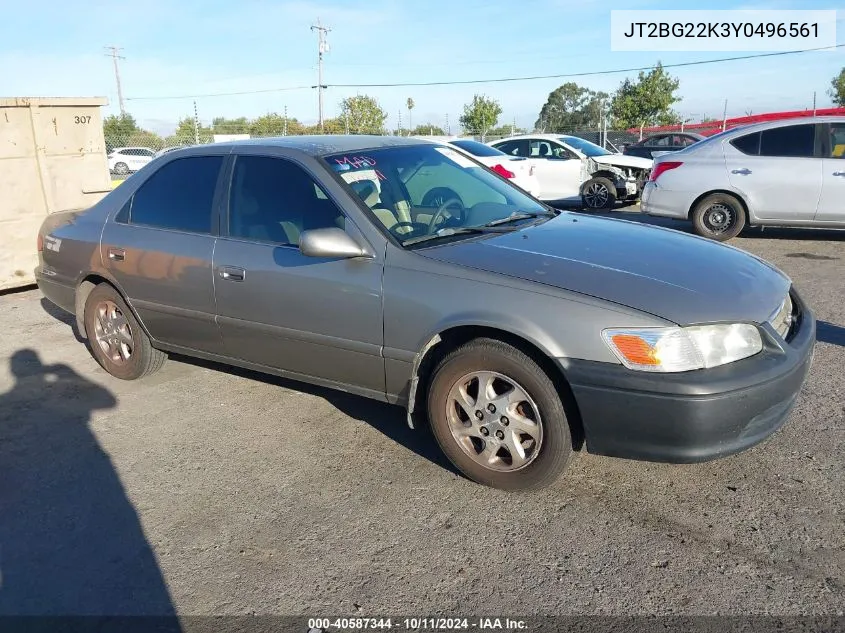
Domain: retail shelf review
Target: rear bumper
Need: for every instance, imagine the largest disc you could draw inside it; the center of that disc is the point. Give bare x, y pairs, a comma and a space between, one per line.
665, 203
693, 416
56, 292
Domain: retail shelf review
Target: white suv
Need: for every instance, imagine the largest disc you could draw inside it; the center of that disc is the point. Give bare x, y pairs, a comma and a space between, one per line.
123, 160
789, 172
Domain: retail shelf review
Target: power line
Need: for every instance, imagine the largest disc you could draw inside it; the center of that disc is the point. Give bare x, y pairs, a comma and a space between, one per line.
584, 74
220, 94
495, 80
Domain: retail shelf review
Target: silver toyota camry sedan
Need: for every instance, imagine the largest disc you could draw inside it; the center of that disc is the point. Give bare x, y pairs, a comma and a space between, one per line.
405, 271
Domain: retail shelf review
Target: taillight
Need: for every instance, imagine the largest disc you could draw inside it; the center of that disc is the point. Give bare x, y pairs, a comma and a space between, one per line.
504, 173
659, 168
39, 243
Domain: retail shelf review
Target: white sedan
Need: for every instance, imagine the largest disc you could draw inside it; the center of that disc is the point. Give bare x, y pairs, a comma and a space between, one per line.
570, 169
124, 160
516, 169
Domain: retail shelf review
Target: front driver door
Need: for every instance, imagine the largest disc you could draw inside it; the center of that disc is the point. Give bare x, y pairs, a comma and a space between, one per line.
316, 318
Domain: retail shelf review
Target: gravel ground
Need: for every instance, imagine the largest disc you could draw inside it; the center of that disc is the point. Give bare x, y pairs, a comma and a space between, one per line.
205, 490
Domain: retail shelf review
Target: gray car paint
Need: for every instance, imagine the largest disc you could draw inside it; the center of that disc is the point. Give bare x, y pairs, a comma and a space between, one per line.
361, 324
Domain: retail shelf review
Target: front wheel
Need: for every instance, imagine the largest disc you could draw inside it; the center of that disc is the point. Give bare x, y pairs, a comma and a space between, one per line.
121, 169
719, 217
598, 193
498, 417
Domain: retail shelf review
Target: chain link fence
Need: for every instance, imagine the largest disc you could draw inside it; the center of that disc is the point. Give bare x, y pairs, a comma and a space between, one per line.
129, 152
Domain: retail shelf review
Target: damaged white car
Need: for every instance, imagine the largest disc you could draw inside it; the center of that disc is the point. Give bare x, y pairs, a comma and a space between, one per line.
570, 169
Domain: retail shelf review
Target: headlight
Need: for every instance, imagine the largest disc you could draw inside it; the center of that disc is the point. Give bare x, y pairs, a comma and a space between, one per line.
677, 349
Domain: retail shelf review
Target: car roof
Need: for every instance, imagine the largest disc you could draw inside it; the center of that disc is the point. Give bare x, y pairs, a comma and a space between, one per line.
120, 149
320, 145
765, 125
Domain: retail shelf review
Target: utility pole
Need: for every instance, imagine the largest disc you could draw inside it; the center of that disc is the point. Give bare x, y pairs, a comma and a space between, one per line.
725, 116
196, 125
814, 103
513, 127
448, 129
399, 128
285, 128
115, 56
322, 47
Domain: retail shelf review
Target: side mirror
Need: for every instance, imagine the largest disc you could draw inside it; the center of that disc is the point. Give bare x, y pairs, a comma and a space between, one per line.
331, 242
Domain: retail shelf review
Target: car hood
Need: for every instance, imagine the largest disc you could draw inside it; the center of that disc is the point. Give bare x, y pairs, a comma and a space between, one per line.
621, 160
675, 276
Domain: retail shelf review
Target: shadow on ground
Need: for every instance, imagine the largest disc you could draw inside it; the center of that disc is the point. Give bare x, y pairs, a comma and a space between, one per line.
71, 542
830, 333
387, 419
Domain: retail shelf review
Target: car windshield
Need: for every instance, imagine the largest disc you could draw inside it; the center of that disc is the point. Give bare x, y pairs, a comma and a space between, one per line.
585, 147
477, 149
425, 192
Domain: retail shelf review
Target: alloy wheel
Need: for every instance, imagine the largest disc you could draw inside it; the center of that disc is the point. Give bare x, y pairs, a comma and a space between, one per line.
112, 332
494, 421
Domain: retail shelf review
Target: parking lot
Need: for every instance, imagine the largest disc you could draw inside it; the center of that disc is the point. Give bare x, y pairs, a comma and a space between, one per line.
205, 489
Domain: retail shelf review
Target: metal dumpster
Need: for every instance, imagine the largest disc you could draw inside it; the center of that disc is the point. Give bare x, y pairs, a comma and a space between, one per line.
52, 158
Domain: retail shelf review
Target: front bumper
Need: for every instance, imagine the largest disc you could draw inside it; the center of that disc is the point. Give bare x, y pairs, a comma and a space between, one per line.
693, 416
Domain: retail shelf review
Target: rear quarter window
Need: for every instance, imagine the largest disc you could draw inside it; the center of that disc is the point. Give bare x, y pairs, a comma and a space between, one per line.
748, 144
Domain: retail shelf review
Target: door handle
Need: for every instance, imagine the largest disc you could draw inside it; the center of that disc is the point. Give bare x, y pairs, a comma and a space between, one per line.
839, 173
232, 273
742, 171
117, 254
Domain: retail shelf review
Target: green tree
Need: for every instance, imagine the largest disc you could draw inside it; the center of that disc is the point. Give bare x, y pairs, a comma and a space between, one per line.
647, 101
363, 114
571, 107
143, 138
428, 129
481, 115
506, 130
837, 89
186, 135
222, 125
273, 124
117, 126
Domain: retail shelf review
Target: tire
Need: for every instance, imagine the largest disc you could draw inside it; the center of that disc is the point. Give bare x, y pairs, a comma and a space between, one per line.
598, 193
121, 169
116, 339
719, 216
547, 443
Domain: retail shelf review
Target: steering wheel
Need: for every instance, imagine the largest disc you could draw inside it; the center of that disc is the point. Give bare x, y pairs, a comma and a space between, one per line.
441, 211
414, 226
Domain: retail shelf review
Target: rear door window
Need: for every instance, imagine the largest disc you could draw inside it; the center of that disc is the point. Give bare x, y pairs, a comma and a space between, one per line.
514, 148
789, 141
179, 196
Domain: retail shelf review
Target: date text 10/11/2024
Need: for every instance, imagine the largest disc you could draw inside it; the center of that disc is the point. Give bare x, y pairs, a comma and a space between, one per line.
415, 624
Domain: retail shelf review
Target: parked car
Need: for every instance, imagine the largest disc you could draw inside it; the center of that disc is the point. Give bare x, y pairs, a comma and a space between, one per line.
517, 169
125, 160
518, 331
570, 169
662, 143
787, 173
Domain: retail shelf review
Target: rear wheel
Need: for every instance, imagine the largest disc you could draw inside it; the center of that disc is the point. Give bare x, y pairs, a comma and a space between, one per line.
121, 169
719, 216
598, 193
498, 417
115, 337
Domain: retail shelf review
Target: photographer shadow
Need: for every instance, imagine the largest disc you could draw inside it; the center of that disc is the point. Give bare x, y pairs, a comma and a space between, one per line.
71, 542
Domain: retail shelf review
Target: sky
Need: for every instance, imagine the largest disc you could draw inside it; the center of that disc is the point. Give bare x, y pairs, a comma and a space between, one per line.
194, 48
